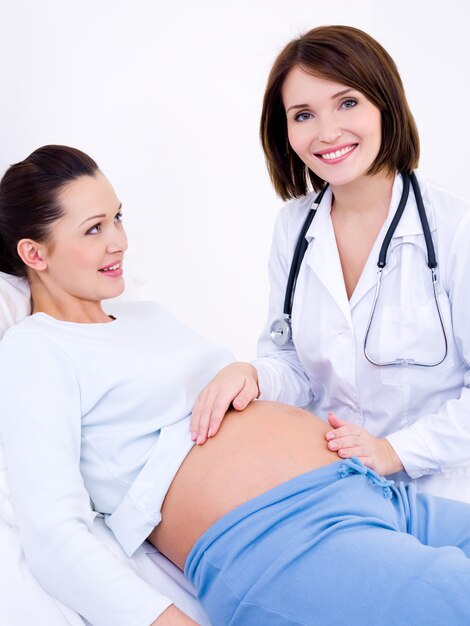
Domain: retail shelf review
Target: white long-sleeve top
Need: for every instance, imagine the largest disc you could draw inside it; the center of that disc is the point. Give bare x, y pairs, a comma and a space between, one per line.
98, 411
424, 412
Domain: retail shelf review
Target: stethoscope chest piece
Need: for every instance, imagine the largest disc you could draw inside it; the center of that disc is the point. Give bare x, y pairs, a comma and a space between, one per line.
280, 332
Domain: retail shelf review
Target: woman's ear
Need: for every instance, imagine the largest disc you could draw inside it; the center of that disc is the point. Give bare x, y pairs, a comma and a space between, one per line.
32, 254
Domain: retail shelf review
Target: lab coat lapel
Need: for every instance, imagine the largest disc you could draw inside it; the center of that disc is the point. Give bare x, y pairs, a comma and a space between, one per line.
323, 259
368, 278
409, 230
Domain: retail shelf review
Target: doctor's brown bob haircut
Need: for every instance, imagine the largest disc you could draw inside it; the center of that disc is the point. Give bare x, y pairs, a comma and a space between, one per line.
352, 57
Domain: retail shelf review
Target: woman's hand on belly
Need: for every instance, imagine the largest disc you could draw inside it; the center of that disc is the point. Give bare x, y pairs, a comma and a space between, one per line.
235, 384
349, 440
257, 449
173, 617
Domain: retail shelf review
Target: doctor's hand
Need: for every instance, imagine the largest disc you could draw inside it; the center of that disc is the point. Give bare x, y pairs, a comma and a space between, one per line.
235, 384
349, 440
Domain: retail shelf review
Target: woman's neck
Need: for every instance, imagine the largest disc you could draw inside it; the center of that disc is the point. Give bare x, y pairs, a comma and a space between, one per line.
65, 307
366, 195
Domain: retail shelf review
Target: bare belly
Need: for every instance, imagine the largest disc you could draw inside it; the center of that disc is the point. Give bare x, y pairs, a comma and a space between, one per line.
263, 446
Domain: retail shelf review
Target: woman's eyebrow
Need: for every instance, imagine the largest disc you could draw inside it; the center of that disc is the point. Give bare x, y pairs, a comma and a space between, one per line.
297, 106
93, 217
342, 93
96, 217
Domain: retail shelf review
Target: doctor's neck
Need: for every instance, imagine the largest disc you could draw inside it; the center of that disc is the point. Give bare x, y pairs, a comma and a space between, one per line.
364, 195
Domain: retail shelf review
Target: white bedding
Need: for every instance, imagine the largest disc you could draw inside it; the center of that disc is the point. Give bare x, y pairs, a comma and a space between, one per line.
22, 599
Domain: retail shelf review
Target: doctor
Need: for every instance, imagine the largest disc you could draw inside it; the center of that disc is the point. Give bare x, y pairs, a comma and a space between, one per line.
385, 361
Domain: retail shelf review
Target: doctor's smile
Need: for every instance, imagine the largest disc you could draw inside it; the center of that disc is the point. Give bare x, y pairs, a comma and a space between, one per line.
327, 122
336, 155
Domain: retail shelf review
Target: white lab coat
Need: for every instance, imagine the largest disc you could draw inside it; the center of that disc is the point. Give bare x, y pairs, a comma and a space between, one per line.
424, 412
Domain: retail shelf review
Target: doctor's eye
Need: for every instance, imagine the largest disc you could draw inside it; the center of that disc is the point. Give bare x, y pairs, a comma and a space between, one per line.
303, 116
349, 103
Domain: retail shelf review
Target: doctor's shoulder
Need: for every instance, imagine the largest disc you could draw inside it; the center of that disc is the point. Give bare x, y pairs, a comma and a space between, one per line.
449, 218
448, 207
292, 215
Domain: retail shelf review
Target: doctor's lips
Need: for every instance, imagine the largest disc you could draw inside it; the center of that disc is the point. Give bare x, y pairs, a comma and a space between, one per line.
112, 270
337, 154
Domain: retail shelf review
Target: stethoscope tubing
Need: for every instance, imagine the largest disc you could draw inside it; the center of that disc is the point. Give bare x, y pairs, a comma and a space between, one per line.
281, 329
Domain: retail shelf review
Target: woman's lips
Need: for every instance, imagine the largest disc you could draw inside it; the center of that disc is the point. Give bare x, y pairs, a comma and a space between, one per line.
112, 271
336, 155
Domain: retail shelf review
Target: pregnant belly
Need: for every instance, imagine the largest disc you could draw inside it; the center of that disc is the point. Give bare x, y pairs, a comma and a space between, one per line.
255, 450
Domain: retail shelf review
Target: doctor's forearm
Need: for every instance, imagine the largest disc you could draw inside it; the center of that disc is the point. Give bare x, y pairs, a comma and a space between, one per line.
392, 460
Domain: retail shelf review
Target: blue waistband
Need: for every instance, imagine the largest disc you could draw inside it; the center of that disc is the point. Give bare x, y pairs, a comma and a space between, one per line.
312, 481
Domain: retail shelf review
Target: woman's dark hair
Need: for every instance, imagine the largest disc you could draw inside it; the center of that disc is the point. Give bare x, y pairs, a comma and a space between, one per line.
29, 203
346, 55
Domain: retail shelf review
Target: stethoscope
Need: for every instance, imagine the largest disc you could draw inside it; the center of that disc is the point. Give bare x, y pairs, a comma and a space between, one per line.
281, 329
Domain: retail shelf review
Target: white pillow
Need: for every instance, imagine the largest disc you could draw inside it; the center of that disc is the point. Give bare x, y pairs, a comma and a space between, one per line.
15, 305
15, 300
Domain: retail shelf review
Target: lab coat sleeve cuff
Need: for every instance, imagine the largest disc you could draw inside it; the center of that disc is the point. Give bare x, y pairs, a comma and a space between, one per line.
415, 455
277, 384
264, 380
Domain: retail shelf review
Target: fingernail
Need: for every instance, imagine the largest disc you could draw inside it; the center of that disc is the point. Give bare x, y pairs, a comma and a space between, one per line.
210, 433
333, 445
193, 436
330, 435
200, 439
237, 405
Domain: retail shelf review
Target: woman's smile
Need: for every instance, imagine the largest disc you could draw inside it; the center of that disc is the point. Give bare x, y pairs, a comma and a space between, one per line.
336, 154
113, 270
326, 124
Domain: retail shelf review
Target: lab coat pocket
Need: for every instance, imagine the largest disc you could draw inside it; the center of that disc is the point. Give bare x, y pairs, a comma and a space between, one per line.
415, 334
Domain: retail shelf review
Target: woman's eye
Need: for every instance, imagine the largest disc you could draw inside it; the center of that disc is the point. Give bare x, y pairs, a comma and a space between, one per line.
94, 230
118, 217
302, 117
349, 103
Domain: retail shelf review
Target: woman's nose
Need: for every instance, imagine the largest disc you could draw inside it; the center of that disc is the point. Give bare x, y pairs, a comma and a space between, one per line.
329, 131
117, 241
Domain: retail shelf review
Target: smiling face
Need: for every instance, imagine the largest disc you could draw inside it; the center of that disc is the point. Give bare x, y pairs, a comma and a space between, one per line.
83, 261
334, 129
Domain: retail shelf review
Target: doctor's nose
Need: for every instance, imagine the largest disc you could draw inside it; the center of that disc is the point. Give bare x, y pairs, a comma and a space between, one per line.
329, 131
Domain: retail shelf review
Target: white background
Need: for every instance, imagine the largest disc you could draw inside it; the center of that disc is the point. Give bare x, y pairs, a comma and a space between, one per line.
166, 97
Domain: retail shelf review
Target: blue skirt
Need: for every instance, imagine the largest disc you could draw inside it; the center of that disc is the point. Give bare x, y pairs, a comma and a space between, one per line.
336, 546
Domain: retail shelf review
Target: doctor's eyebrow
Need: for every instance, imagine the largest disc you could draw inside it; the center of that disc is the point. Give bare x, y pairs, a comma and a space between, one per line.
96, 217
333, 97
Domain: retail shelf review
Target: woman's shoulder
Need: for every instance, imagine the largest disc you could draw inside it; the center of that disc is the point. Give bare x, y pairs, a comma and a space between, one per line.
447, 205
21, 329
297, 207
292, 215
29, 342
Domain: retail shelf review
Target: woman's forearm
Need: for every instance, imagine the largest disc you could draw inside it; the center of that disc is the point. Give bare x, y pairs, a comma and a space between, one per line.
172, 616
